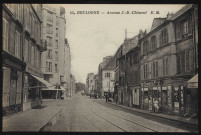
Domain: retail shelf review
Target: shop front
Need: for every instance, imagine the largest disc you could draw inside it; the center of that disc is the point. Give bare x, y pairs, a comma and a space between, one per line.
135, 97
33, 83
12, 70
192, 96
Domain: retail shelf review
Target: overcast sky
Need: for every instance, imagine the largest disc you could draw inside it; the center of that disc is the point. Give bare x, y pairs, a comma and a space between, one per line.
93, 36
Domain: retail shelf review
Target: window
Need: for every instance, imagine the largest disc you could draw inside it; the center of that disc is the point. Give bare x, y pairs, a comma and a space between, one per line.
56, 44
178, 31
163, 37
153, 42
165, 66
185, 27
33, 25
5, 34
39, 59
190, 25
32, 55
49, 53
49, 28
56, 32
145, 71
56, 55
57, 20
30, 19
146, 47
187, 61
56, 68
19, 12
17, 45
48, 66
181, 62
49, 41
135, 59
155, 69
107, 74
26, 16
26, 46
49, 16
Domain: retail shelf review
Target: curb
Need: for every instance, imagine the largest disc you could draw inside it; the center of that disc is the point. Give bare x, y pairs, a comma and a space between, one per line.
51, 122
153, 115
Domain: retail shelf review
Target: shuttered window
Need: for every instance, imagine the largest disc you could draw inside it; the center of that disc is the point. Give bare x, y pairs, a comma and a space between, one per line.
17, 44
187, 61
26, 46
5, 34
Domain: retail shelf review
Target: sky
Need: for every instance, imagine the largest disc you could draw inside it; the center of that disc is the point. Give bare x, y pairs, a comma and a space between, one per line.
94, 36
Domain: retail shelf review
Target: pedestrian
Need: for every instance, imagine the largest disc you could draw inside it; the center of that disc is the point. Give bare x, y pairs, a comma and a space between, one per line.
156, 107
106, 97
116, 98
150, 105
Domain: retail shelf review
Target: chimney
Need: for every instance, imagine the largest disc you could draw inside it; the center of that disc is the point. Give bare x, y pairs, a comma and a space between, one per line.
169, 15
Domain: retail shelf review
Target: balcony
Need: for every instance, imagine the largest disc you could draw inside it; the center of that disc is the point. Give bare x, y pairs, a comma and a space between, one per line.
43, 45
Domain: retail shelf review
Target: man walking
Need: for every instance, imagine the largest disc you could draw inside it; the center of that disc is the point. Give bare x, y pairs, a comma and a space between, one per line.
106, 97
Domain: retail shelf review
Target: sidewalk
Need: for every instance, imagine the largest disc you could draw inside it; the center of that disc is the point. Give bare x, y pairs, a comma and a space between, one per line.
171, 117
33, 119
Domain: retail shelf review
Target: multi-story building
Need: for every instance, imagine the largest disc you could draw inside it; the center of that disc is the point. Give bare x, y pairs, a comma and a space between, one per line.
168, 61
57, 55
21, 51
108, 78
67, 67
72, 86
132, 72
90, 83
100, 68
97, 84
186, 40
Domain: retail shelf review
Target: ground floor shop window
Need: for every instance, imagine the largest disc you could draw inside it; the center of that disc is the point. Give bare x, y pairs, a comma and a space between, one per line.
176, 100
146, 100
135, 95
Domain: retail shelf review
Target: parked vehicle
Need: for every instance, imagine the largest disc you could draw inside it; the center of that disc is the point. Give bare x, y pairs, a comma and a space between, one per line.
94, 93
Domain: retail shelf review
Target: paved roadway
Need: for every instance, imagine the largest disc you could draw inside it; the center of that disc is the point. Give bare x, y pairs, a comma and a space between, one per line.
83, 114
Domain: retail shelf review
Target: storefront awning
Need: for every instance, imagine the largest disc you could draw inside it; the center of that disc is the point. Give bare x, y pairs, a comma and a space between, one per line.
193, 82
47, 84
52, 88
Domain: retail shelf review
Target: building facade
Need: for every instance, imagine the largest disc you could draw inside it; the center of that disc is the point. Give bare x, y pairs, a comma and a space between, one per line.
168, 62
57, 55
108, 78
72, 86
90, 83
100, 68
97, 84
22, 47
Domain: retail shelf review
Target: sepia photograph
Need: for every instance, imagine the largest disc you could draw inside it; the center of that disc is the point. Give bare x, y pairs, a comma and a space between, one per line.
99, 67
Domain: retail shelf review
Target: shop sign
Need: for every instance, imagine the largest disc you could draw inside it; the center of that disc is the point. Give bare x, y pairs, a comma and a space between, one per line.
145, 89
176, 104
33, 71
155, 88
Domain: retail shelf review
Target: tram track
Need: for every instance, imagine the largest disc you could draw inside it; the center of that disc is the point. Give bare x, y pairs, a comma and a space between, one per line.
186, 126
120, 118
